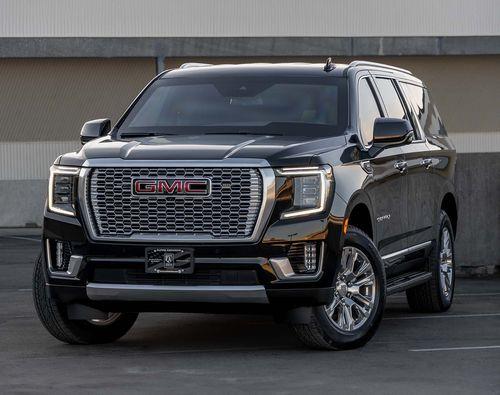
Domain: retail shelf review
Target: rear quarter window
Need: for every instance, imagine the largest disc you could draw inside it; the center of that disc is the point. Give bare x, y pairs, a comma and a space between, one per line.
425, 109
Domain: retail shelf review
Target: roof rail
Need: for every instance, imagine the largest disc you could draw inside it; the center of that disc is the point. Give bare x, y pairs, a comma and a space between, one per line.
358, 63
192, 64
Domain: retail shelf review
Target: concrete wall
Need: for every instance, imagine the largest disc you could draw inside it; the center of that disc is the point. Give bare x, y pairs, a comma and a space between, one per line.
22, 202
478, 188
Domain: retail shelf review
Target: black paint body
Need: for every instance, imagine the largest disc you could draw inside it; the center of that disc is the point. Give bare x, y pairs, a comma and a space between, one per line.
401, 207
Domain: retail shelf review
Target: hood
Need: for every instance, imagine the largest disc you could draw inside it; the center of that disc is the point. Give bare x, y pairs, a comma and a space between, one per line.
277, 150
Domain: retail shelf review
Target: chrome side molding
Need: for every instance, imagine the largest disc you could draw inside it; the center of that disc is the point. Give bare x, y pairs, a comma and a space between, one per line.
406, 250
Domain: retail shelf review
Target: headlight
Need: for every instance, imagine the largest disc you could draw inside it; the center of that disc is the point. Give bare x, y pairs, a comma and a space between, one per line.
311, 189
62, 190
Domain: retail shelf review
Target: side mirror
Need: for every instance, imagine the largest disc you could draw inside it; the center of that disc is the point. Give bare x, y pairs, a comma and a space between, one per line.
94, 129
391, 131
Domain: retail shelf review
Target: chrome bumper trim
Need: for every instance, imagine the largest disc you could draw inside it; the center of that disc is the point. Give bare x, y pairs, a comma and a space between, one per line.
176, 293
74, 266
284, 271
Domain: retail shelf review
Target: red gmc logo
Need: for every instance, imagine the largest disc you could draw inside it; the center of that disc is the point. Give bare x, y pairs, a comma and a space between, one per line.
171, 186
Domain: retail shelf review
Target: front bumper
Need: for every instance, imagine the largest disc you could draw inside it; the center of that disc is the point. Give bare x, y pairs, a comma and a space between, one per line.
111, 274
109, 283
178, 293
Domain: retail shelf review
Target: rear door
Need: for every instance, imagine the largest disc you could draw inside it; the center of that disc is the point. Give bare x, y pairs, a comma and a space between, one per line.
387, 188
423, 162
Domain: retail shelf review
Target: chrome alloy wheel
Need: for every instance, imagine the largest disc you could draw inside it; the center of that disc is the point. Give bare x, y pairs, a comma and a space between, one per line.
446, 264
112, 317
355, 291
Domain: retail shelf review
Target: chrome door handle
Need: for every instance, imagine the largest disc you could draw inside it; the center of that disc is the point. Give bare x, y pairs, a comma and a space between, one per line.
427, 163
401, 166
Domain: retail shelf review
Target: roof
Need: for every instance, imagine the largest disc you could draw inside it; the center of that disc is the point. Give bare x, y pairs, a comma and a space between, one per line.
278, 69
256, 69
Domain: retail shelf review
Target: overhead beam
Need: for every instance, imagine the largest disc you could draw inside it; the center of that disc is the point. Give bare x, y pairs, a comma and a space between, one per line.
245, 46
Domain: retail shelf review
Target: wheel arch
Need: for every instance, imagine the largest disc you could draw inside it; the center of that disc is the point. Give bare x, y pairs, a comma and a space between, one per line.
359, 214
449, 205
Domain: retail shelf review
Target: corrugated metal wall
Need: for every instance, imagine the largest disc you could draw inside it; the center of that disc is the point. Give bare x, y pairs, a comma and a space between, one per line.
242, 18
50, 99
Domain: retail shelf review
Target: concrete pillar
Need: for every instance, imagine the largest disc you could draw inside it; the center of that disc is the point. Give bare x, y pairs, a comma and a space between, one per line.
160, 64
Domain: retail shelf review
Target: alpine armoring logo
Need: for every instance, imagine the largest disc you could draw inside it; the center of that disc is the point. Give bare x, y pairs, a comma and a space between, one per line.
171, 186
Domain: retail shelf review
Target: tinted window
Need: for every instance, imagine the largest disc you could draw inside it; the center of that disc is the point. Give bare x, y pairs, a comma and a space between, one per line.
425, 110
390, 98
368, 110
281, 105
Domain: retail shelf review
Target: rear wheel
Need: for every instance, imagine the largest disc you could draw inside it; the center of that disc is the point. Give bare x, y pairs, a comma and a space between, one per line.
54, 318
437, 294
354, 314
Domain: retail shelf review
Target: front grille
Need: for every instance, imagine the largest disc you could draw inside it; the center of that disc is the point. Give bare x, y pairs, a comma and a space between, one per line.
229, 212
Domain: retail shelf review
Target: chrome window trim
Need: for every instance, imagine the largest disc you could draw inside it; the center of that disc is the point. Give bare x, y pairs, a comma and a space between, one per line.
378, 100
268, 197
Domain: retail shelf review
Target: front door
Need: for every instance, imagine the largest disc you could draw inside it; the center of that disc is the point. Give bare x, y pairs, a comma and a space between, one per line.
388, 194
387, 188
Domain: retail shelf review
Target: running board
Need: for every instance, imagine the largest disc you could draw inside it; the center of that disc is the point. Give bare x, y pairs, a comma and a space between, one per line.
405, 281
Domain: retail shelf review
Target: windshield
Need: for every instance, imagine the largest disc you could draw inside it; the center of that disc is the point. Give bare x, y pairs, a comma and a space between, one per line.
314, 106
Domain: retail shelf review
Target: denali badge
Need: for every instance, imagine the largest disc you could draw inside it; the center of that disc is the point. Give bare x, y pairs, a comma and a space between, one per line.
171, 186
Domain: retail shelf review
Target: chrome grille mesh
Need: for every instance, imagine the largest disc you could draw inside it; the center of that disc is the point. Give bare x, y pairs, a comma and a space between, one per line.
229, 212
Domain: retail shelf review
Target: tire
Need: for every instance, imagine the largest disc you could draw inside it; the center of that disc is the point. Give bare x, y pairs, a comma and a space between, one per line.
325, 329
54, 317
432, 297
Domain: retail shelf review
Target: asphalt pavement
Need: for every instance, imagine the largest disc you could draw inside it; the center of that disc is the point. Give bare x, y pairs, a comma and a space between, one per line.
455, 352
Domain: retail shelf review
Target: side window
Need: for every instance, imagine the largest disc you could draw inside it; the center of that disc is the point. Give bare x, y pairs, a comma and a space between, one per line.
391, 98
425, 110
392, 101
368, 110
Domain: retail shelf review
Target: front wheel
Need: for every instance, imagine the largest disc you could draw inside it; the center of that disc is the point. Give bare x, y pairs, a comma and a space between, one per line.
54, 317
353, 316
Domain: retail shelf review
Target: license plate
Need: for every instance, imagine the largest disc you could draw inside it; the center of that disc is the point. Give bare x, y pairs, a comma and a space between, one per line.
169, 260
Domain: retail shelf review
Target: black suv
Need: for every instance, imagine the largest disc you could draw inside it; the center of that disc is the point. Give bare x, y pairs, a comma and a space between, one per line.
307, 191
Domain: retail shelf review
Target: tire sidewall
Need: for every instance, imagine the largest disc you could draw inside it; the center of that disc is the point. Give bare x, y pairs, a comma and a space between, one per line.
436, 261
53, 315
333, 335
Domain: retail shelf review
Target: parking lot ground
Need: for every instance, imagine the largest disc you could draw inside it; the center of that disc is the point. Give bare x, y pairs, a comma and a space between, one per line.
454, 352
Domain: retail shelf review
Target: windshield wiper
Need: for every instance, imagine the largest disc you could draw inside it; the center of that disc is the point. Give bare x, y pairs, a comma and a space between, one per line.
247, 133
146, 134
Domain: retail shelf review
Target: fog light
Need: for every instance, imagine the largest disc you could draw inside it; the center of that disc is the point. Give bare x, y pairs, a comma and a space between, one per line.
310, 257
63, 255
303, 257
